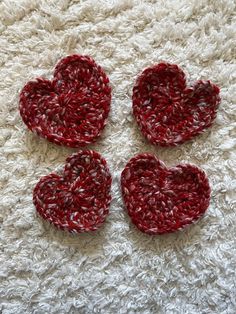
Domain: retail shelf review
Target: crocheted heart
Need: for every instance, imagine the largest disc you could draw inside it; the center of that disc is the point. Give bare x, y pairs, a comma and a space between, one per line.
167, 111
160, 199
71, 109
78, 200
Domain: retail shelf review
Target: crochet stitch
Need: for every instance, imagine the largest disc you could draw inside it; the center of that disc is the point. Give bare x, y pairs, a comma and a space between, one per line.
160, 199
78, 200
167, 111
71, 109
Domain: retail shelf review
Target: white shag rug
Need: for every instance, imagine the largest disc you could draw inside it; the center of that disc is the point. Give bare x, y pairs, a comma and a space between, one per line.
117, 269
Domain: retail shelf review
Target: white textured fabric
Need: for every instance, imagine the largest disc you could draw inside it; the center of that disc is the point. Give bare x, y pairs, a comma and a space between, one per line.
117, 269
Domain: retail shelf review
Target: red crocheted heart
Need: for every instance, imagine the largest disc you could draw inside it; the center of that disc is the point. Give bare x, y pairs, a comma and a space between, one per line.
78, 200
161, 200
167, 111
71, 109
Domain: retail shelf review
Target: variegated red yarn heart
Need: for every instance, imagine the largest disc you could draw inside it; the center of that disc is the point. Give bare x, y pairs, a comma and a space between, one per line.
71, 109
78, 200
167, 111
160, 199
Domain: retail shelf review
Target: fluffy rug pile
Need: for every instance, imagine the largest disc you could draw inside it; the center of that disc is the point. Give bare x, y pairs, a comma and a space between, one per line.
117, 269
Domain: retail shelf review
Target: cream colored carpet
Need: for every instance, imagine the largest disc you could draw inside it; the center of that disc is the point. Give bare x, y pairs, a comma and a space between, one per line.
117, 269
